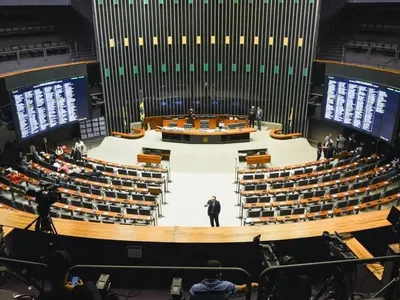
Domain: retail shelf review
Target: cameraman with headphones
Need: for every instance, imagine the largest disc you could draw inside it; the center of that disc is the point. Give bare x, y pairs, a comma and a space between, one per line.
214, 288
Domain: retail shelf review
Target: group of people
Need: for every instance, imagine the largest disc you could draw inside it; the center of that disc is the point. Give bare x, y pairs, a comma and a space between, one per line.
255, 115
329, 147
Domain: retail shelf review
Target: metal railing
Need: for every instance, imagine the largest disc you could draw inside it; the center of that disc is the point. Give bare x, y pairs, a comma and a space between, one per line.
268, 273
73, 270
44, 50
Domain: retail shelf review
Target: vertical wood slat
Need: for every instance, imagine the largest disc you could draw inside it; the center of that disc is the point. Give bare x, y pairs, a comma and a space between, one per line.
242, 21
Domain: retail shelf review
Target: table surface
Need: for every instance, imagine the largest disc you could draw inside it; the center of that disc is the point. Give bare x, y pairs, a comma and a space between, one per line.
202, 133
362, 221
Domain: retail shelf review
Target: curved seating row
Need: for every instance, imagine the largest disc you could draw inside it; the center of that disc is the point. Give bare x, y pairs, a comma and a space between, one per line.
123, 166
291, 167
277, 134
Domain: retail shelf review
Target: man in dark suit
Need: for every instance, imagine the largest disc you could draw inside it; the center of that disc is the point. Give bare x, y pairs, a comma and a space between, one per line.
252, 116
214, 208
191, 117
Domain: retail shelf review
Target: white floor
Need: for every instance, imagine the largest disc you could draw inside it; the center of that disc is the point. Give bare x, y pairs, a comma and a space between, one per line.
200, 171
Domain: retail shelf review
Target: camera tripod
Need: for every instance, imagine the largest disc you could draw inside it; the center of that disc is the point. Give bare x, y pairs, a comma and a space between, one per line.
337, 282
46, 225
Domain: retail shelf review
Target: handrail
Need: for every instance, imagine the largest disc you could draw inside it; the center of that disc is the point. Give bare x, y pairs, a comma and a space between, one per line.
41, 266
43, 49
156, 268
348, 262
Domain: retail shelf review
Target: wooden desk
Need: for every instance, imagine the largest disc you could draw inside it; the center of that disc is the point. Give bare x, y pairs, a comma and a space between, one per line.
194, 136
214, 120
244, 234
149, 159
277, 134
135, 135
258, 159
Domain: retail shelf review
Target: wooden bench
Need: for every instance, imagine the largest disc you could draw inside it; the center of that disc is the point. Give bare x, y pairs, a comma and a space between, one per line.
277, 134
258, 159
149, 158
137, 133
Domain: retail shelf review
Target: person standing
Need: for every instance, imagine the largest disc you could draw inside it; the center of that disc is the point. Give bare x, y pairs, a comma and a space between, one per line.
340, 143
214, 208
330, 151
80, 145
191, 117
252, 116
259, 117
327, 141
319, 150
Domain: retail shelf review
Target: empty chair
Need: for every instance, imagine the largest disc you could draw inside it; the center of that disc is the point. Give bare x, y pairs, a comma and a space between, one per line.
328, 166
187, 126
87, 205
268, 213
68, 217
333, 191
327, 207
326, 178
249, 187
241, 125
64, 200
85, 190
298, 172
251, 200
258, 176
141, 185
273, 175
109, 169
288, 184
106, 221
248, 177
156, 175
335, 176
265, 199
302, 182
29, 209
172, 124
110, 194
253, 214
132, 173
341, 204
96, 191
285, 212
122, 195
145, 174
307, 195
315, 208
320, 168
116, 209
284, 174
76, 203
280, 198
94, 220
319, 193
366, 199
313, 181
298, 211
116, 182
78, 218
343, 188
308, 170
144, 212
150, 198
293, 196
376, 196
276, 186
353, 202
122, 172
132, 211
138, 197
100, 168
127, 183
233, 126
102, 207
261, 187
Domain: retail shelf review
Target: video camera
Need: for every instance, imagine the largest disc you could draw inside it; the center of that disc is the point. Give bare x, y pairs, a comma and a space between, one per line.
269, 258
337, 247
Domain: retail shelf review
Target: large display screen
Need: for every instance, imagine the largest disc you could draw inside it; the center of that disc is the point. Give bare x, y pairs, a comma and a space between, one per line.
365, 106
49, 105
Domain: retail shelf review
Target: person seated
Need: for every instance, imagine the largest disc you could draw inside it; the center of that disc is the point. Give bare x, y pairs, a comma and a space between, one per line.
58, 265
213, 287
64, 169
14, 177
58, 151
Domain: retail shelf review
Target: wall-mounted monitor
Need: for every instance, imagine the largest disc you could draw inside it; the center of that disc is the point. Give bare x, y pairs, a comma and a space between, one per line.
50, 105
365, 106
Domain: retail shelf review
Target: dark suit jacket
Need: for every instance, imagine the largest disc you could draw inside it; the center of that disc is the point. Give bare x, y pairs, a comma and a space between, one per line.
217, 207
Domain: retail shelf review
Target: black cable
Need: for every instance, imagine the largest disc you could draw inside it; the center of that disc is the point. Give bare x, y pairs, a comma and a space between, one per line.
128, 296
